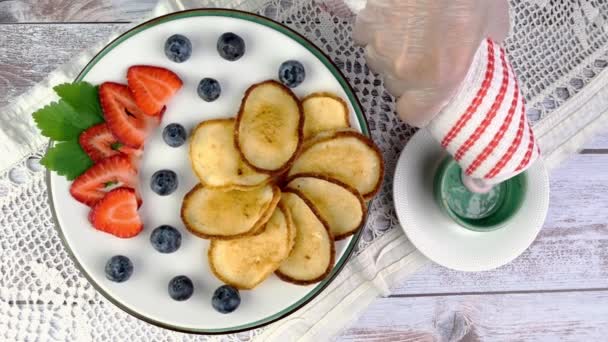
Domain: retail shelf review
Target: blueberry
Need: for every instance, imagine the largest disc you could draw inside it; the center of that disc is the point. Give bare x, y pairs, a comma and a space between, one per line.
230, 46
164, 182
292, 73
174, 135
226, 299
119, 268
166, 239
178, 48
209, 89
180, 288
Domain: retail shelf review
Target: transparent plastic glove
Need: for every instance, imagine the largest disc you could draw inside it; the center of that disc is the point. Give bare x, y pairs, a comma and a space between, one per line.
424, 48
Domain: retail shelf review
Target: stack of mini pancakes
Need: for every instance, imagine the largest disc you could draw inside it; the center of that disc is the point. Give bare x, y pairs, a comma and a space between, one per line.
279, 184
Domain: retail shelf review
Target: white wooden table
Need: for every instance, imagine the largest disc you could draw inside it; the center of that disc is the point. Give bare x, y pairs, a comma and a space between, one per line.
557, 290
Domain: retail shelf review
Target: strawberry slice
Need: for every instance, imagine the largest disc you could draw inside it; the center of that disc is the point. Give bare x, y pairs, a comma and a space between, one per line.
152, 87
126, 121
116, 213
99, 143
109, 173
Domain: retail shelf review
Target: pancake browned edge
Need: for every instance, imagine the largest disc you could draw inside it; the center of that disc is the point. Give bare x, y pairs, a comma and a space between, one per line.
261, 224
257, 228
287, 214
227, 187
329, 135
337, 182
290, 161
332, 251
332, 96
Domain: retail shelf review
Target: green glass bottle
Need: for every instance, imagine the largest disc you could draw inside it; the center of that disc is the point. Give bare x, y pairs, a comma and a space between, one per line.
480, 212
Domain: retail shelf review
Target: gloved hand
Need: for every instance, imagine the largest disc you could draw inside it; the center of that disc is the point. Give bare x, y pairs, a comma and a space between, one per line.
424, 48
443, 61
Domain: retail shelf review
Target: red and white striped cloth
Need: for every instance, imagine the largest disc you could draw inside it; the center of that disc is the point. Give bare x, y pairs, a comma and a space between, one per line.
484, 127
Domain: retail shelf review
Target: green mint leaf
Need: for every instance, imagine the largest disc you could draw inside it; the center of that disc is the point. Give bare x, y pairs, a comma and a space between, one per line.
64, 121
67, 159
110, 184
77, 110
116, 146
83, 97
59, 121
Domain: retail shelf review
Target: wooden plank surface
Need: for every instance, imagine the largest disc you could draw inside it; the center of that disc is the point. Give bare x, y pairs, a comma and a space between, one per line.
571, 316
29, 52
599, 143
49, 11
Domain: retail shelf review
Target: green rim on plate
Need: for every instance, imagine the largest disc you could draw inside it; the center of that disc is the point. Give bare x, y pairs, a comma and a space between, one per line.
335, 72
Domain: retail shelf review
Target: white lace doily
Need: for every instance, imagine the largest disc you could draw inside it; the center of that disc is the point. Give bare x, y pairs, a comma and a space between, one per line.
558, 49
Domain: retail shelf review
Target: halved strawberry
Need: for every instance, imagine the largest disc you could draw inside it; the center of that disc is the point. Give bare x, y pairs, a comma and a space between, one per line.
126, 121
116, 213
134, 154
107, 174
152, 87
99, 143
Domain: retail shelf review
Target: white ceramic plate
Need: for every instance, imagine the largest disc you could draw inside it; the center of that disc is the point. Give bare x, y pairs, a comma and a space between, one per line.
145, 294
439, 237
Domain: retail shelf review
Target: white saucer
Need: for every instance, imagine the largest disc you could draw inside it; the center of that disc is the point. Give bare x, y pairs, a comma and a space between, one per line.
443, 240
